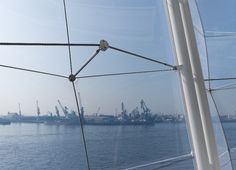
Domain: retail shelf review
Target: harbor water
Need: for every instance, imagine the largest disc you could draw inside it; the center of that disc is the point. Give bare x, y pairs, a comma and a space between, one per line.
39, 146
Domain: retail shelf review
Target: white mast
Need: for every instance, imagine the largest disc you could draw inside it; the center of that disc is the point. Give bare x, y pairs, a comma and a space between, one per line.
198, 115
199, 86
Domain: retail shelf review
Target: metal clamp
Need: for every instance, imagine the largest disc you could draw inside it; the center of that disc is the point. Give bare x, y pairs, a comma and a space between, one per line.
103, 45
178, 67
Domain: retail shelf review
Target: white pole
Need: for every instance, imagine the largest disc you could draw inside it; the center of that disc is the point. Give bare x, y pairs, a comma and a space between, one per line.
199, 86
188, 89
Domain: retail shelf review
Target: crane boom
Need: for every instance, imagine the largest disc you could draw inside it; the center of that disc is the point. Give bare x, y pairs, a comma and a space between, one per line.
63, 109
57, 111
146, 110
38, 109
123, 111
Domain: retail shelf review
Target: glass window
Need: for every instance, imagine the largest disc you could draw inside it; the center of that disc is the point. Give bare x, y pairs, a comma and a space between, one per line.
124, 109
216, 32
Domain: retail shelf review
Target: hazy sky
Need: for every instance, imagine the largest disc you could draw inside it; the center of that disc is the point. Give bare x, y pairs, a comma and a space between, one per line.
217, 18
135, 25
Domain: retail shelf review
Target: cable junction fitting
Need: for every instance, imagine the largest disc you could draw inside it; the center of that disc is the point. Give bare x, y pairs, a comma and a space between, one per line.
72, 77
103, 45
177, 67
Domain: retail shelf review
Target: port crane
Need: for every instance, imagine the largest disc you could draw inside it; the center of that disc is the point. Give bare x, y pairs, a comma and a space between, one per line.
57, 111
81, 106
96, 113
64, 109
146, 111
19, 109
38, 109
124, 115
135, 113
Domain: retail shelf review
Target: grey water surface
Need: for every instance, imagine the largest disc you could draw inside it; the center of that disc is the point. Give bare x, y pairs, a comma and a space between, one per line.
58, 147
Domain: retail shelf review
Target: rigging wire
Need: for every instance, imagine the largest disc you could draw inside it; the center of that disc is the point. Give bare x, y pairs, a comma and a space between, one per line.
82, 45
171, 163
76, 98
222, 155
223, 130
224, 87
222, 32
169, 160
68, 35
87, 76
124, 73
126, 52
220, 79
214, 34
33, 71
219, 34
47, 44
143, 57
87, 62
81, 125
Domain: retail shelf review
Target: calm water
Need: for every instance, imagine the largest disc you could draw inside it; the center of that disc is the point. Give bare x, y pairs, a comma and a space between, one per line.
39, 146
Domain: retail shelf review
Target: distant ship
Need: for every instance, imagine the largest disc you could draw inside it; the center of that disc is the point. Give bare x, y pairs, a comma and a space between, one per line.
133, 118
4, 122
112, 120
70, 117
227, 118
124, 118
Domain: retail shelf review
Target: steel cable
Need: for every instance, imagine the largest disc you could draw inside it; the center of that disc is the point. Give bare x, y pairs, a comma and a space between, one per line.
67, 35
143, 57
223, 130
87, 62
124, 73
33, 71
47, 44
81, 126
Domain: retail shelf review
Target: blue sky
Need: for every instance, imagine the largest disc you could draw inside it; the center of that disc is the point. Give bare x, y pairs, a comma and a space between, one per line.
136, 25
217, 19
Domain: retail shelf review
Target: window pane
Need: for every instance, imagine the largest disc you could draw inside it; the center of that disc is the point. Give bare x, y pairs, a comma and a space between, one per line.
40, 105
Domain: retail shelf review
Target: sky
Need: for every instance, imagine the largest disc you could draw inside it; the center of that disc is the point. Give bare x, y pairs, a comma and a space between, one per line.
217, 19
135, 25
